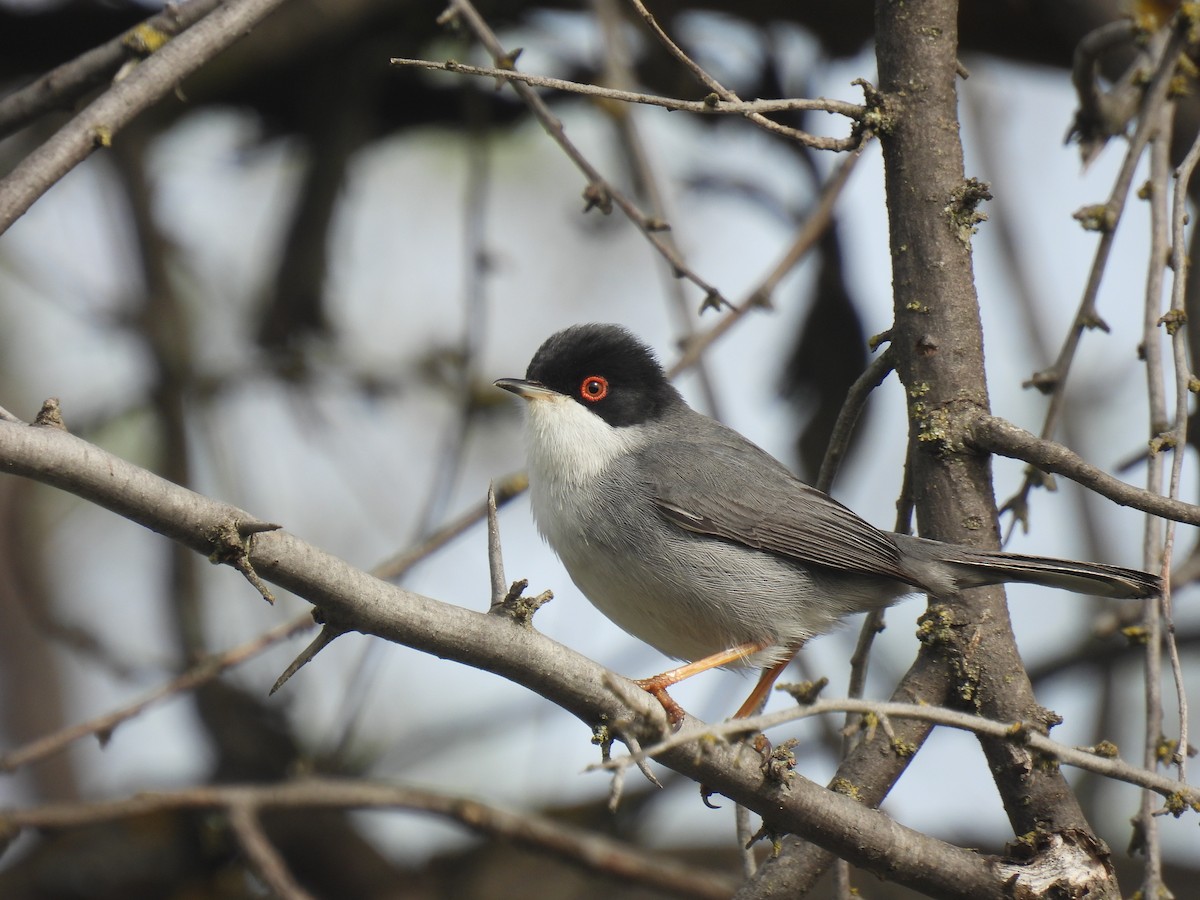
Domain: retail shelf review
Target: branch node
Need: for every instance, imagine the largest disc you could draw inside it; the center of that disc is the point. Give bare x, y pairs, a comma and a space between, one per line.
1046, 381
779, 765
603, 738
231, 547
514, 605
1098, 217
596, 196
804, 693
50, 415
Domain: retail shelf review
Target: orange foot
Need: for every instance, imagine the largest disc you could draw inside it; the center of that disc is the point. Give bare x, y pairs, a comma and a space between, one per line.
657, 688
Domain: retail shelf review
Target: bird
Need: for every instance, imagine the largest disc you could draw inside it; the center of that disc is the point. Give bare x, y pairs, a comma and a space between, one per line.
693, 539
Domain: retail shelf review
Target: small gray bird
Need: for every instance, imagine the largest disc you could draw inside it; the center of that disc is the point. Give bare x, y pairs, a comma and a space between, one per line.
698, 542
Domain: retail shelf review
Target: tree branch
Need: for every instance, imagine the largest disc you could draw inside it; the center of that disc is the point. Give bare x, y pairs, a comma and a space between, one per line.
1103, 761
712, 106
201, 673
995, 435
939, 359
600, 193
787, 802
601, 854
63, 85
147, 83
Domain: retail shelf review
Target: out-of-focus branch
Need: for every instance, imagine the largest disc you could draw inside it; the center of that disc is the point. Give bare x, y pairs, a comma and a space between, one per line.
65, 84
760, 297
601, 854
506, 489
243, 819
147, 83
103, 726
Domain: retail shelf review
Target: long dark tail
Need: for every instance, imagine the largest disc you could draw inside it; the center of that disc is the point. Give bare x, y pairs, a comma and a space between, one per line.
937, 566
979, 567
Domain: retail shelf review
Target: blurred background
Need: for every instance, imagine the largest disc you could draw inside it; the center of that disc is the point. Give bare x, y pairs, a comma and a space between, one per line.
290, 287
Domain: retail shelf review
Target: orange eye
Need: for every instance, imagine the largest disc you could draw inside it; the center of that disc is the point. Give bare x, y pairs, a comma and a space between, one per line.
594, 387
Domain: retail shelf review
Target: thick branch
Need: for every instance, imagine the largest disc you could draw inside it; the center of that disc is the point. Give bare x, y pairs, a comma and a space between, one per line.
497, 644
62, 86
146, 84
938, 342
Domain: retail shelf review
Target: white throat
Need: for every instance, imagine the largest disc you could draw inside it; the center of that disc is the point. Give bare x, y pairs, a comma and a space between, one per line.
569, 445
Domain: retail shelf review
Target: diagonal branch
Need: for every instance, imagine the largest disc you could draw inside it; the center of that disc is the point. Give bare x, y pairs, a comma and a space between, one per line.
600, 193
996, 435
62, 86
148, 82
199, 674
788, 802
722, 93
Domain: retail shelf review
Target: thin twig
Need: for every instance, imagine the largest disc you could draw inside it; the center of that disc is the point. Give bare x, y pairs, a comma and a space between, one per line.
495, 554
599, 192
1105, 219
1145, 824
709, 107
199, 674
724, 94
1002, 437
1110, 766
856, 400
1183, 383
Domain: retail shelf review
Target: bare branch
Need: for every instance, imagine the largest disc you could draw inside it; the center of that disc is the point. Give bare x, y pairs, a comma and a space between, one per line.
243, 819
495, 552
150, 81
62, 86
201, 673
1104, 219
1103, 761
599, 192
996, 435
712, 107
723, 93
499, 645
603, 855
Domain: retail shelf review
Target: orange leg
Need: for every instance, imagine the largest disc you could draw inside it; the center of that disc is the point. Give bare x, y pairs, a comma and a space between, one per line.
657, 684
758, 697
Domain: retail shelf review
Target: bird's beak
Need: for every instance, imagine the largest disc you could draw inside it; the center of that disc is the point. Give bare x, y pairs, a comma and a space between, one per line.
526, 390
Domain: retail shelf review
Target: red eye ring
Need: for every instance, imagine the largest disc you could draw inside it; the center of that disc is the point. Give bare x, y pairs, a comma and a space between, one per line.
594, 388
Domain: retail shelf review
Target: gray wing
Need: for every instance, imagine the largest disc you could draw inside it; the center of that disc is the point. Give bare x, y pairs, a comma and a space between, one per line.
725, 487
